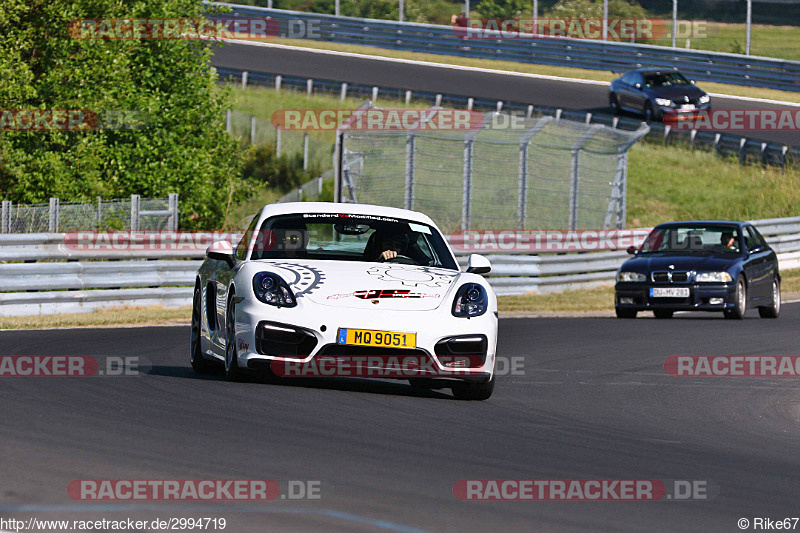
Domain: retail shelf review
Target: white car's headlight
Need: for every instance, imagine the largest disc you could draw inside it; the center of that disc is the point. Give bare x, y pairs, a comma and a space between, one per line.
713, 277
630, 276
666, 102
705, 99
271, 289
471, 300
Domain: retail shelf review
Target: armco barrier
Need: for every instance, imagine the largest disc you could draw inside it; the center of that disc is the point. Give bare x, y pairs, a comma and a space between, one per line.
581, 53
58, 279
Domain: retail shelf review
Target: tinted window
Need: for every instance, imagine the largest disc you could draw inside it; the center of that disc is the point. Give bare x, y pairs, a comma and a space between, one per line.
693, 239
665, 79
753, 239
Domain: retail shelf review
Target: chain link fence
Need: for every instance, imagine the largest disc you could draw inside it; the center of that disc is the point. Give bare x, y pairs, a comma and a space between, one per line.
540, 173
135, 213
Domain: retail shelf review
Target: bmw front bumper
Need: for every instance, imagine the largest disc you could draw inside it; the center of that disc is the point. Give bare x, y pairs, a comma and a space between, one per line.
702, 297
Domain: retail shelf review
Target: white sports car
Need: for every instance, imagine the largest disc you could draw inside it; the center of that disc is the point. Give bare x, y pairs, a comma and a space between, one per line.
346, 290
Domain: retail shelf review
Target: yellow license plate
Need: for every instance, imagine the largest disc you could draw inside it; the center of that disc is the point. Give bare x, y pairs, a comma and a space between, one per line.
371, 337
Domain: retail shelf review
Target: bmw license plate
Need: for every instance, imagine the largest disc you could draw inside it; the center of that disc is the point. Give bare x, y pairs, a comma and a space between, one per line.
687, 107
371, 337
669, 292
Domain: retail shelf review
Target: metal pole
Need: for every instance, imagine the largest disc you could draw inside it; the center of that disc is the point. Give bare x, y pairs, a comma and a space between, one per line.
134, 212
252, 130
4, 218
99, 212
466, 8
305, 151
605, 20
674, 22
523, 184
623, 210
173, 207
467, 194
228, 120
278, 80
344, 92
749, 24
535, 16
401, 9
337, 168
53, 222
278, 142
409, 189
573, 191
336, 8
244, 80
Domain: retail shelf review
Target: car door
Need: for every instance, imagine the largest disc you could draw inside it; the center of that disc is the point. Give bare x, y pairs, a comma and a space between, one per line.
760, 264
626, 95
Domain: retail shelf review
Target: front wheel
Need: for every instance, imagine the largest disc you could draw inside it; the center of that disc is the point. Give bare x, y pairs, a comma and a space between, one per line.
775, 309
232, 370
648, 112
625, 313
740, 302
473, 391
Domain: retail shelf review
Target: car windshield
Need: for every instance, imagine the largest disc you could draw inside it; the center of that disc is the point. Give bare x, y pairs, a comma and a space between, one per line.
346, 237
693, 239
667, 79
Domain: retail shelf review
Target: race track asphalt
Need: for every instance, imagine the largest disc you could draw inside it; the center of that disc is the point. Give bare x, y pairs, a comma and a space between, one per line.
470, 83
593, 402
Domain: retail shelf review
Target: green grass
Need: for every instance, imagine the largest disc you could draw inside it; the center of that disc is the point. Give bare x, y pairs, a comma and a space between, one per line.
513, 66
126, 316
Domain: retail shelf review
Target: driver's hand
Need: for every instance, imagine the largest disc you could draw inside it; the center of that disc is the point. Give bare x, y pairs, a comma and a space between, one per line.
388, 254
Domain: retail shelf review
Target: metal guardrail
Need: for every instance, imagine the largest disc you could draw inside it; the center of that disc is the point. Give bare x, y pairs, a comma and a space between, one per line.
745, 149
566, 52
84, 283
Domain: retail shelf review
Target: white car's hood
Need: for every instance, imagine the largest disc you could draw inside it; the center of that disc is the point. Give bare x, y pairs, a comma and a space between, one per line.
386, 286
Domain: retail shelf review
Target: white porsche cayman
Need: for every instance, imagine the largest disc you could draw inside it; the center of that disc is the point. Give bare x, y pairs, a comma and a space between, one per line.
346, 290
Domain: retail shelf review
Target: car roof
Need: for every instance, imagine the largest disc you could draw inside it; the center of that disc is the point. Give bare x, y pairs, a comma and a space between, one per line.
653, 70
736, 223
290, 208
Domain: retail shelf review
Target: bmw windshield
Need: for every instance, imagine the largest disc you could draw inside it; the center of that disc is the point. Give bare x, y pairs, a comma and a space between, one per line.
693, 239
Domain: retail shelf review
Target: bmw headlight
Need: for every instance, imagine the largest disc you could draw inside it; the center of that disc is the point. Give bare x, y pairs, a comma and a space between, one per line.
664, 102
471, 300
705, 99
630, 276
713, 277
271, 289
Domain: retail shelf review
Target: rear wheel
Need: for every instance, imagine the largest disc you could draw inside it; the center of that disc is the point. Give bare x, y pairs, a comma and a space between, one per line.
625, 313
775, 309
663, 313
232, 370
200, 364
740, 303
473, 391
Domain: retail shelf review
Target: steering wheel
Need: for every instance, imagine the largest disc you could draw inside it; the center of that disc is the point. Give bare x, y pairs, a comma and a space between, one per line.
401, 259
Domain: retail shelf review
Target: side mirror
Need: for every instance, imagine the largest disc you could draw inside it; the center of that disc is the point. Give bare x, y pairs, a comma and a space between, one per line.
631, 250
221, 251
478, 264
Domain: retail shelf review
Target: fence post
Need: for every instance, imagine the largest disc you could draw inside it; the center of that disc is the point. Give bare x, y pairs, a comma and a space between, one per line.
53, 223
134, 212
374, 94
5, 221
99, 212
309, 86
252, 130
244, 80
470, 103
305, 151
523, 183
575, 175
408, 202
278, 79
278, 142
344, 92
438, 100
408, 97
173, 209
228, 120
466, 202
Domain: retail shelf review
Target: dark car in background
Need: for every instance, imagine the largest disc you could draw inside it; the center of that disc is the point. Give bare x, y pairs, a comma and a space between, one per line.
654, 93
700, 266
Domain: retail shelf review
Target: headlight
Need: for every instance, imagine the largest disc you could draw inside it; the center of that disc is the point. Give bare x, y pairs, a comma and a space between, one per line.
714, 277
271, 289
471, 300
630, 276
665, 102
705, 99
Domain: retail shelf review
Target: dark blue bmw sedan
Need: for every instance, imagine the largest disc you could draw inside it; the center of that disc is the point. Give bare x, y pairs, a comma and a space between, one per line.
655, 93
700, 266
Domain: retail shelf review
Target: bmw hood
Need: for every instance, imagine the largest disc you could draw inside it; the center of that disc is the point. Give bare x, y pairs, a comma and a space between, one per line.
378, 286
700, 263
677, 93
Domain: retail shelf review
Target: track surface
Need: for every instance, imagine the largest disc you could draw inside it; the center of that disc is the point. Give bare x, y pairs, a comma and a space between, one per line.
594, 403
544, 92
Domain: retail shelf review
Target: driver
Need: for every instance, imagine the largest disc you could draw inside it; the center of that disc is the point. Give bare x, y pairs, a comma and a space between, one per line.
728, 240
390, 244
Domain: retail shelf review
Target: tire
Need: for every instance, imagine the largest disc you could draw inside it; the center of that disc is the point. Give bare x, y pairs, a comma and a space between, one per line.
613, 102
473, 391
737, 313
774, 310
625, 313
200, 364
663, 313
647, 112
232, 370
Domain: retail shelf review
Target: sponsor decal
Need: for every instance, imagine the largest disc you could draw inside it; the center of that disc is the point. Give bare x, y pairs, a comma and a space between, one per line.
384, 293
414, 276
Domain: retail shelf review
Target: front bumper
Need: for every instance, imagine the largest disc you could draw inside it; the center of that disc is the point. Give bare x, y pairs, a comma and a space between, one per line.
636, 296
310, 338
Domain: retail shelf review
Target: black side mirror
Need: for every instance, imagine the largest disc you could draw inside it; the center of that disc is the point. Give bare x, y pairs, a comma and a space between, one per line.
631, 250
